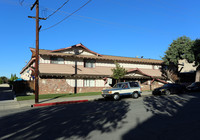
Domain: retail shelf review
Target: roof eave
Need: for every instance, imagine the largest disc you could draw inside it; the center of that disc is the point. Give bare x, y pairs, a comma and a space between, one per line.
27, 65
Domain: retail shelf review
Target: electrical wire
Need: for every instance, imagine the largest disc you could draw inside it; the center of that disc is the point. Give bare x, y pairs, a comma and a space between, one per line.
68, 16
57, 9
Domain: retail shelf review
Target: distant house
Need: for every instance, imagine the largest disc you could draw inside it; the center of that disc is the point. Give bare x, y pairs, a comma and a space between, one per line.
78, 69
186, 67
187, 71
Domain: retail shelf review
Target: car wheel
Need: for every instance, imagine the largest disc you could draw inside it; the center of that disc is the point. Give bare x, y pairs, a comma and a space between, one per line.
167, 92
135, 95
116, 97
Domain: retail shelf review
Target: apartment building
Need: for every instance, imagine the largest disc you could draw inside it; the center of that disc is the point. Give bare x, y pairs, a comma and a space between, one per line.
78, 69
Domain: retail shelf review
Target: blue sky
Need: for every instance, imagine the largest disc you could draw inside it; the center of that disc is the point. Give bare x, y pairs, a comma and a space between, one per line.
113, 27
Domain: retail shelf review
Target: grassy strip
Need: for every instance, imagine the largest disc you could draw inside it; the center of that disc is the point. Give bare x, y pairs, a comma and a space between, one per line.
54, 96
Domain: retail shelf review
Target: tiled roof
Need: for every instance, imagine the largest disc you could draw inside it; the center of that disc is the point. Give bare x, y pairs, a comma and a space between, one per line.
147, 72
103, 57
27, 65
77, 45
131, 59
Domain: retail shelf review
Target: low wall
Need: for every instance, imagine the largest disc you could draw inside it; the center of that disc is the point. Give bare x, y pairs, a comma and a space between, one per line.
154, 85
54, 86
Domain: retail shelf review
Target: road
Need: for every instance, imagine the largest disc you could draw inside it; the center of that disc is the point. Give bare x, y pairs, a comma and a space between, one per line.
6, 93
152, 117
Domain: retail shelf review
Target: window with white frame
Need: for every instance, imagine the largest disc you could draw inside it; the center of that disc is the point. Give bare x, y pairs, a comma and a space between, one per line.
57, 60
89, 63
89, 83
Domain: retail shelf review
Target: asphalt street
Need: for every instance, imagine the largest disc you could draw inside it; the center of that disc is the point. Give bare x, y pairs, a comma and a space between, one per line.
151, 117
6, 93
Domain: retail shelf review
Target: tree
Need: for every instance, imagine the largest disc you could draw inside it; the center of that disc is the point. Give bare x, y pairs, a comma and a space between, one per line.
1, 81
196, 51
169, 72
4, 79
13, 77
179, 49
118, 72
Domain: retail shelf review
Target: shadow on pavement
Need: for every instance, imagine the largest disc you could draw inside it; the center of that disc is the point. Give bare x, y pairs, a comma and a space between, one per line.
74, 121
51, 99
174, 117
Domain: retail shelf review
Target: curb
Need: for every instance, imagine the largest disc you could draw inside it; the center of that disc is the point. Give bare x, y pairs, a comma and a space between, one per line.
58, 103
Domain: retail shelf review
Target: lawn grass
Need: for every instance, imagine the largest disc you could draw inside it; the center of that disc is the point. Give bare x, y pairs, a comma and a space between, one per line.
50, 96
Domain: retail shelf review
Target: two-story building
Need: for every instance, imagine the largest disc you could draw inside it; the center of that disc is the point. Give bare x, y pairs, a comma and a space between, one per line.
78, 69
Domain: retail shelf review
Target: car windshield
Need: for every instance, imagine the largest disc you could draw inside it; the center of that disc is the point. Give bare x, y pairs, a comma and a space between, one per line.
121, 85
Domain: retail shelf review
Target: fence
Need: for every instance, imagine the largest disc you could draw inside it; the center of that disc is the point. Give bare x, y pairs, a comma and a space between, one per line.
22, 87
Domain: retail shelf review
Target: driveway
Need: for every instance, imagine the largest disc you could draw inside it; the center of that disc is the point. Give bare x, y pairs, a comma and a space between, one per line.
6, 93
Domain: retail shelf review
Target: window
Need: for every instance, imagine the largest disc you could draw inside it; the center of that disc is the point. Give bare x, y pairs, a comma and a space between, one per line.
57, 60
89, 83
89, 63
121, 85
134, 84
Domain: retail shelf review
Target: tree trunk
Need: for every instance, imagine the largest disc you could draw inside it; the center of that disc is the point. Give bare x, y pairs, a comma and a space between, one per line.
197, 78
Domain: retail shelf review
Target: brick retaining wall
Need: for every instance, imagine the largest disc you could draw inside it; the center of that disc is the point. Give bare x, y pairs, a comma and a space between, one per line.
154, 85
53, 86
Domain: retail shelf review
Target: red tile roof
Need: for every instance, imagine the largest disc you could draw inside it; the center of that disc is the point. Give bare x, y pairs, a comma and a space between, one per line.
77, 45
147, 72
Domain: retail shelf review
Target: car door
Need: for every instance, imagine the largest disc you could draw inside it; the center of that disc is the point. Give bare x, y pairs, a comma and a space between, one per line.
125, 90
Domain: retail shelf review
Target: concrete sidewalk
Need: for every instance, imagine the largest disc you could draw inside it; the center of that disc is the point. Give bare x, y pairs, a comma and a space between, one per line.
5, 105
12, 104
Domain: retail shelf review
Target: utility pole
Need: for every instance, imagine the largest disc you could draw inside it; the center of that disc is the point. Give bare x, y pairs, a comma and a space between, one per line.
36, 4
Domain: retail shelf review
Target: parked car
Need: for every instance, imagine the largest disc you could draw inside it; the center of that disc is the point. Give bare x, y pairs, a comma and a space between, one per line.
168, 89
194, 87
123, 88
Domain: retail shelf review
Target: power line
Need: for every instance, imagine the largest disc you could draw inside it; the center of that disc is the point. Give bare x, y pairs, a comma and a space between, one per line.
68, 15
57, 9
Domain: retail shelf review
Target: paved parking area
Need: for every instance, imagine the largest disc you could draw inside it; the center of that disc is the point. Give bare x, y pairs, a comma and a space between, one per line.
171, 117
163, 117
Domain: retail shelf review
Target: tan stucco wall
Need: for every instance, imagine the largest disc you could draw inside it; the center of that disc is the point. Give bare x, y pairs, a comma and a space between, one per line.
188, 67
